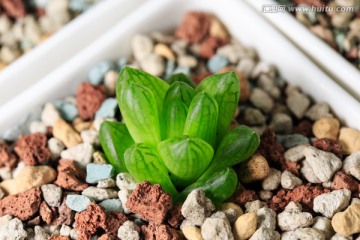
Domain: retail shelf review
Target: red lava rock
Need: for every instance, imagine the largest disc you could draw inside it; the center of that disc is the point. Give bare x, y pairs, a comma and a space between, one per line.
59, 238
88, 221
114, 221
7, 159
175, 217
194, 27
304, 128
66, 216
150, 202
292, 167
209, 45
23, 205
89, 99
271, 149
34, 222
14, 8
329, 145
242, 196
316, 3
198, 78
70, 176
108, 236
157, 232
343, 181
32, 149
279, 201
47, 214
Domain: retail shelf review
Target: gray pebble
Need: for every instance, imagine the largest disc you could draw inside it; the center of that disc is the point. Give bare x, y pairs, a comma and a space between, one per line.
99, 194
281, 123
298, 103
52, 194
260, 99
319, 110
253, 117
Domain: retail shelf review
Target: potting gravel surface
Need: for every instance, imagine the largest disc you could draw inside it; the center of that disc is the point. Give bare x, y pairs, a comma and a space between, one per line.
302, 183
24, 24
339, 29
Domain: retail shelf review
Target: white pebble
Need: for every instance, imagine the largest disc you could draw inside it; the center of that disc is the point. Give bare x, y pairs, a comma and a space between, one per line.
289, 180
330, 203
50, 115
254, 206
295, 154
217, 227
110, 82
38, 127
351, 165
55, 147
153, 64
99, 194
293, 217
129, 231
272, 181
123, 195
142, 46
265, 234
11, 228
323, 224
125, 181
81, 153
266, 218
90, 136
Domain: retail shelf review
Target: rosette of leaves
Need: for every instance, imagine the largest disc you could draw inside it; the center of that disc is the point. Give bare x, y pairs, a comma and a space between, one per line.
177, 135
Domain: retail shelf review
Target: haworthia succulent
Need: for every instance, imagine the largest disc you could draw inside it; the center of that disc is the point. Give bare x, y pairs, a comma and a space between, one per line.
144, 164
186, 158
138, 108
202, 118
180, 77
225, 88
115, 139
219, 186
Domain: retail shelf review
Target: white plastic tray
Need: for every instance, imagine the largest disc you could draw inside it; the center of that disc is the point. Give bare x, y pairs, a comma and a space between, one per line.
64, 44
327, 58
164, 15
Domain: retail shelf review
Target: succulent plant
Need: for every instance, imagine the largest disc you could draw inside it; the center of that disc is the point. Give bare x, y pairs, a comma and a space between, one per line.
176, 135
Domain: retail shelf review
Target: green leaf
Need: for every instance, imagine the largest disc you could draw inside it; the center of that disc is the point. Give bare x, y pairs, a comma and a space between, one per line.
225, 88
115, 139
144, 164
157, 86
218, 187
138, 108
180, 77
202, 118
237, 146
185, 157
175, 109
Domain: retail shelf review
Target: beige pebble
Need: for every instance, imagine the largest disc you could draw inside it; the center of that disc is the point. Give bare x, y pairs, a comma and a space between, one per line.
326, 128
257, 168
65, 133
28, 178
245, 226
228, 205
349, 139
80, 125
99, 158
217, 29
348, 222
164, 51
192, 233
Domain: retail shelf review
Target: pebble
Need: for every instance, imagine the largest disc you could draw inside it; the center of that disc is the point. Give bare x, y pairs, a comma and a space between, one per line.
217, 227
125, 181
293, 218
97, 73
106, 183
142, 46
68, 109
266, 218
52, 194
164, 51
66, 134
330, 203
99, 194
326, 128
216, 63
99, 158
253, 116
55, 147
348, 222
265, 234
265, 195
78, 203
229, 51
272, 181
295, 154
297, 103
324, 164
217, 29
96, 172
246, 66
339, 237
257, 168
323, 224
65, 230
261, 100
318, 111
292, 140
11, 228
254, 206
226, 206
2, 194
303, 234
308, 172
129, 231
197, 207
112, 205
349, 139
110, 82
245, 226
50, 115
40, 233
81, 153
124, 195
108, 109
187, 61
29, 177
153, 64
289, 180
90, 136
268, 84
38, 127
261, 68
351, 165
192, 233
281, 123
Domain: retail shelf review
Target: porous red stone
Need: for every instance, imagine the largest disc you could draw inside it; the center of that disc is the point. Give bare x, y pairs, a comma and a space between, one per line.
87, 222
70, 176
194, 27
7, 159
150, 202
271, 149
209, 45
175, 217
56, 237
242, 196
89, 99
32, 149
342, 180
304, 128
23, 205
13, 8
113, 221
47, 214
66, 216
329, 145
157, 232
